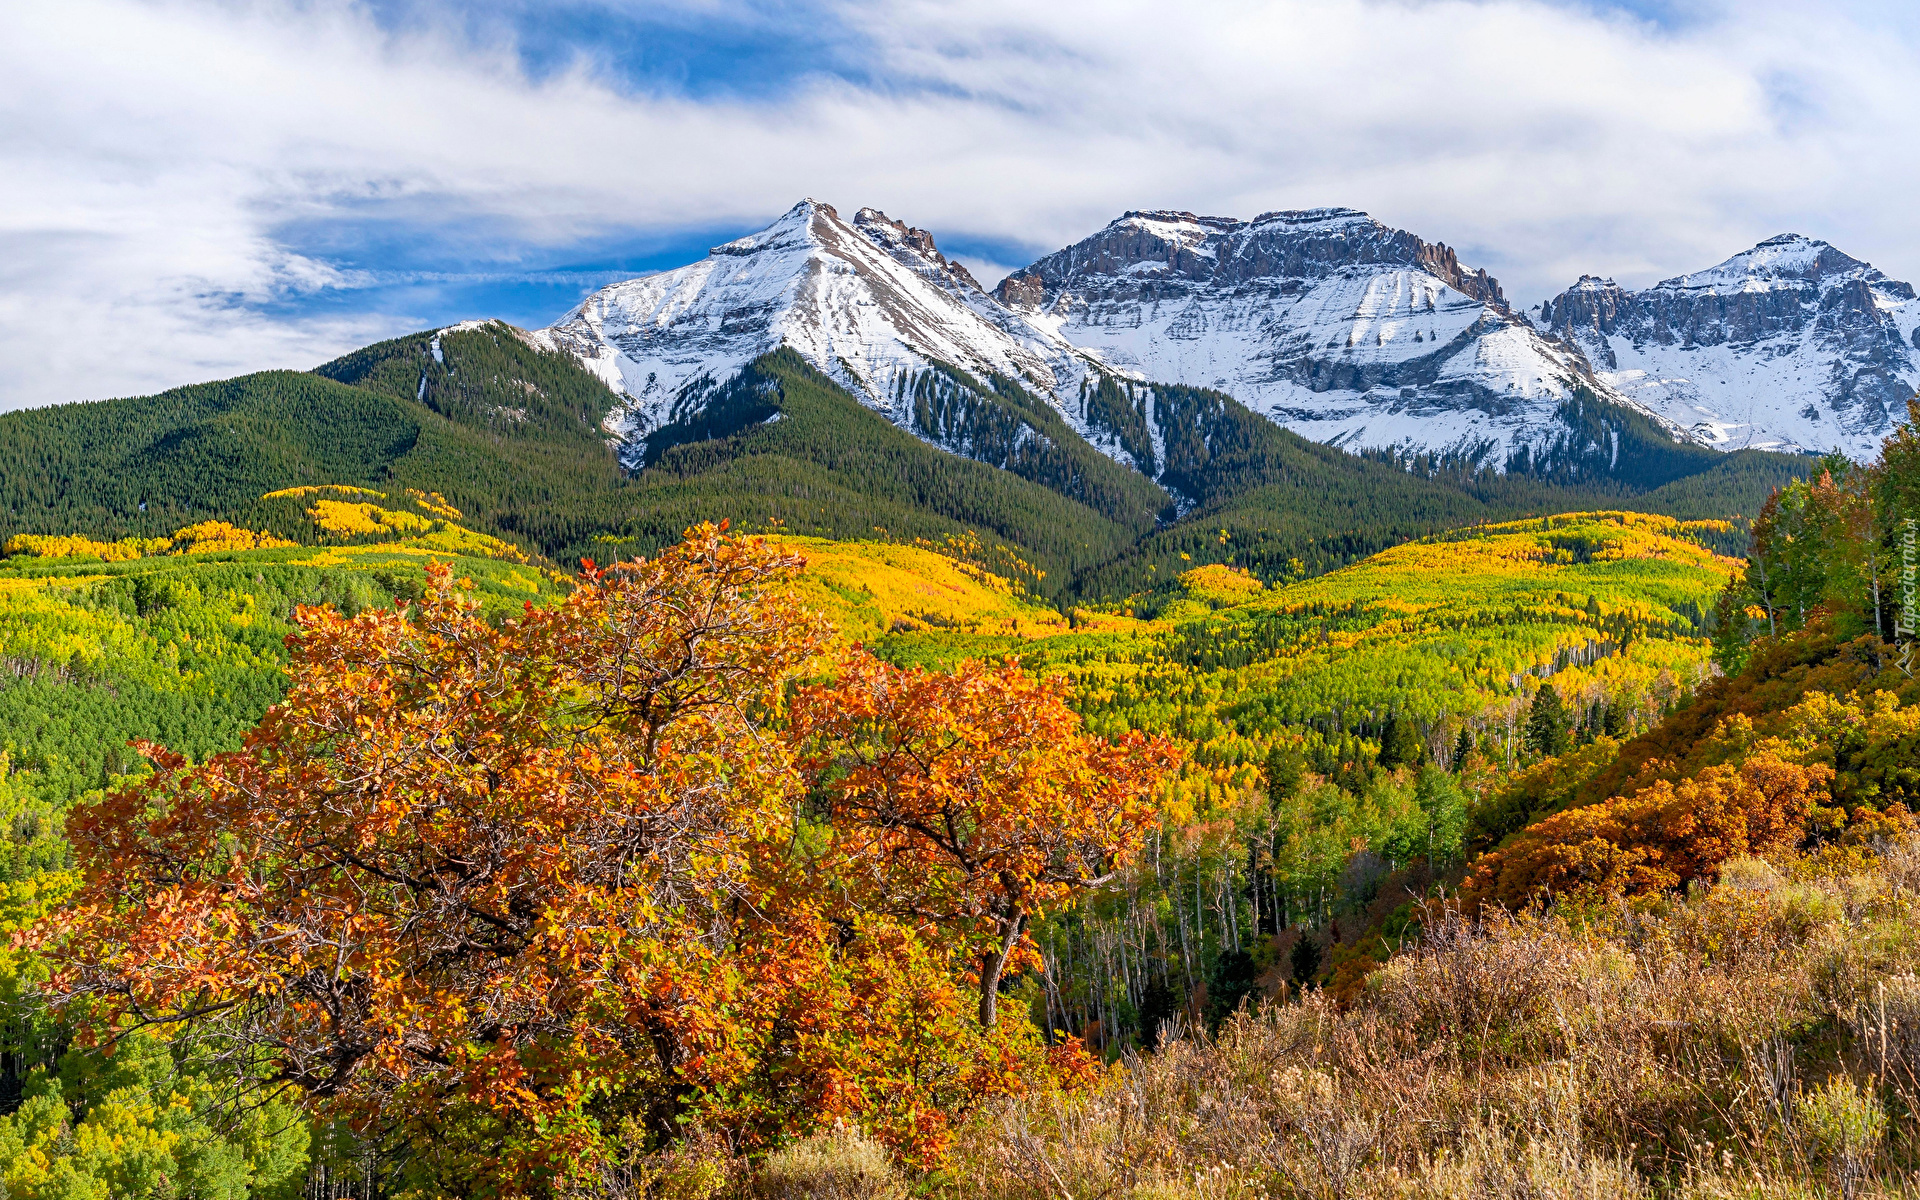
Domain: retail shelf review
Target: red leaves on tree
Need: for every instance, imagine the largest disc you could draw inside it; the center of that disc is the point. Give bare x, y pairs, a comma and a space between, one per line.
973, 802
1664, 835
508, 890
463, 864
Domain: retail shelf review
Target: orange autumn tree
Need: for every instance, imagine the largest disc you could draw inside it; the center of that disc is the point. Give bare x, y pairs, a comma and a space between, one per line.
1664, 835
508, 892
972, 802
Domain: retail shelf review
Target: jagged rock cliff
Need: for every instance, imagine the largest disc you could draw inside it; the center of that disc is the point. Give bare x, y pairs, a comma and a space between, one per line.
870, 302
1791, 345
1325, 320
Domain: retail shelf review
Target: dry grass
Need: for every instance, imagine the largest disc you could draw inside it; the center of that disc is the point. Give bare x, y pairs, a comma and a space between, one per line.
1760, 1039
839, 1164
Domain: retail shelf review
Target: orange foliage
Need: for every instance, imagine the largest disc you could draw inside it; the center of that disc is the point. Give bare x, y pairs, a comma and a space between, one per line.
1662, 836
973, 801
534, 884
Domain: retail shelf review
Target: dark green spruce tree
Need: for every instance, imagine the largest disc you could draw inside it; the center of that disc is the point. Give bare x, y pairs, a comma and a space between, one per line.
1548, 727
1400, 742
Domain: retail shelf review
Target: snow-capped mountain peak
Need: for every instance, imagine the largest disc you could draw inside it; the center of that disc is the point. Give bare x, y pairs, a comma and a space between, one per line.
1791, 345
1328, 321
865, 301
1788, 258
793, 229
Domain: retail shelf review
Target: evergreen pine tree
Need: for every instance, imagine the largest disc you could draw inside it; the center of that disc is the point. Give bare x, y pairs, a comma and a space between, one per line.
1462, 748
1399, 742
1547, 732
1304, 961
1286, 766
1614, 722
1158, 1005
1235, 978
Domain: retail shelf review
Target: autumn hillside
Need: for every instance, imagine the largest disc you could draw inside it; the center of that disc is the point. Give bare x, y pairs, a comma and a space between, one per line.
1507, 861
180, 639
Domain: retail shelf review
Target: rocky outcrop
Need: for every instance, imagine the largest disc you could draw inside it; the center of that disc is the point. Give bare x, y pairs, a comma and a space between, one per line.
913, 247
1325, 320
1022, 290
1790, 345
1158, 254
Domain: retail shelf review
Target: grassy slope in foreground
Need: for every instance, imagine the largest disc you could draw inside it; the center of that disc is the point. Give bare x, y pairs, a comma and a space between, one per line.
1460, 626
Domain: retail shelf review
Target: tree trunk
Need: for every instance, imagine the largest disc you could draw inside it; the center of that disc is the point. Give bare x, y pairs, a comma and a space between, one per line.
992, 964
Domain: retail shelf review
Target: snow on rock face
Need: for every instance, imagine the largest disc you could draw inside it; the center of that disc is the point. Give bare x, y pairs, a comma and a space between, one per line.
1327, 321
1791, 345
863, 301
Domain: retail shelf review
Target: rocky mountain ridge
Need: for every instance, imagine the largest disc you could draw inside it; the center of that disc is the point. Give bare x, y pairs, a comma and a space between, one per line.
1325, 321
1792, 345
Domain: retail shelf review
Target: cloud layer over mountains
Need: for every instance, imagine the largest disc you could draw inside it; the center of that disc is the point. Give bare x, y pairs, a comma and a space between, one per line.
193, 188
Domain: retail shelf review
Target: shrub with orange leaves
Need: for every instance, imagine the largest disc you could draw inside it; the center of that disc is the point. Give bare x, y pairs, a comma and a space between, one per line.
1663, 836
973, 802
504, 891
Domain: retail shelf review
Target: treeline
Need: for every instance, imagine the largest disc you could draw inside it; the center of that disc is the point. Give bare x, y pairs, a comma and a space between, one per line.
791, 448
1262, 498
1002, 424
512, 436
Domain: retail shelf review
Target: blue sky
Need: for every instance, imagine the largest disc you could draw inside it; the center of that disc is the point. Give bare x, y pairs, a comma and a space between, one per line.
417, 270
194, 188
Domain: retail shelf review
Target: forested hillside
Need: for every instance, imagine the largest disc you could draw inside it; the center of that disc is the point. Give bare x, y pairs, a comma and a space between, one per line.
1376, 708
1264, 498
512, 436
102, 645
1478, 708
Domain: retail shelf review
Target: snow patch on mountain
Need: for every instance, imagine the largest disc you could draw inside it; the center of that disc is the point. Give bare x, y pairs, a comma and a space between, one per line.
1791, 345
1325, 320
867, 302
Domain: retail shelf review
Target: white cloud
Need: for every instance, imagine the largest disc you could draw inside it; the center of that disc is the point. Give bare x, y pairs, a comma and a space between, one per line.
149, 150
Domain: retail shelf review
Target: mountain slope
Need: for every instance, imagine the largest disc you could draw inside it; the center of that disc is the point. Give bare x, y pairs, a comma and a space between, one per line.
1791, 345
1324, 320
867, 302
782, 444
510, 434
506, 431
871, 304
